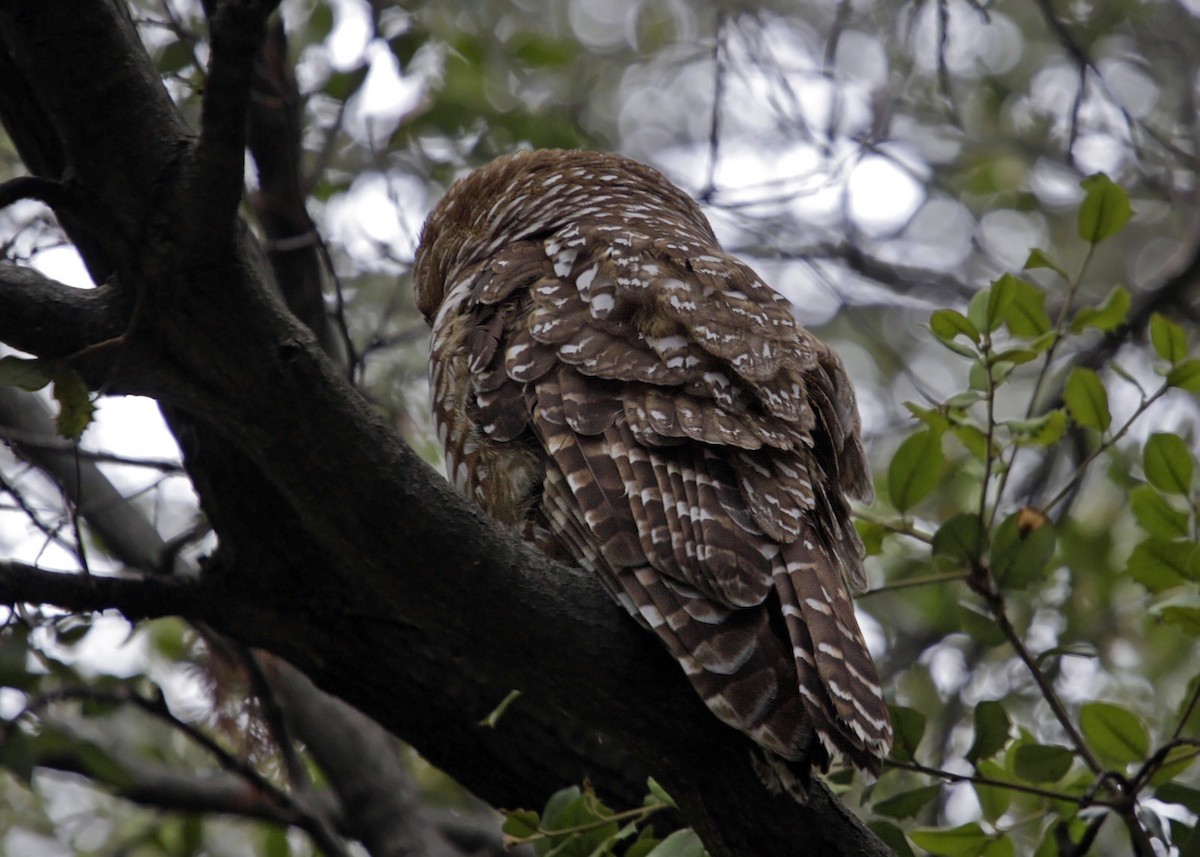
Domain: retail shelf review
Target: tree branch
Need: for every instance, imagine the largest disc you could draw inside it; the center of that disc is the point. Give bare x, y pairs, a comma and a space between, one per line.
134, 598
363, 766
52, 193
51, 319
164, 789
215, 185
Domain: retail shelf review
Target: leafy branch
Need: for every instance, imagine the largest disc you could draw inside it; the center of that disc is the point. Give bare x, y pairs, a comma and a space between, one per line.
1001, 549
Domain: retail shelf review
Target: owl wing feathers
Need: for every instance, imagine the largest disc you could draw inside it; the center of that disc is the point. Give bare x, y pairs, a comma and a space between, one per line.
697, 442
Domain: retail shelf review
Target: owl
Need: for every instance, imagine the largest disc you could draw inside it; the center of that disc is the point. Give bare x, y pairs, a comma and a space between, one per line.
630, 399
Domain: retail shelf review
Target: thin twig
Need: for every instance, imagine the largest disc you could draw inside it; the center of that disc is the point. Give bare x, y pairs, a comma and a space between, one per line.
952, 777
980, 580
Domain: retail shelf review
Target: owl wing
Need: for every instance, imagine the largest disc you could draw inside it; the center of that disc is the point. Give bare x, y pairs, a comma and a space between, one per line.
698, 447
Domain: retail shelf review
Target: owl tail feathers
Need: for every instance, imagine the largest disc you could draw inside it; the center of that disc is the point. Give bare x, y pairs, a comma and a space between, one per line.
780, 775
838, 681
734, 658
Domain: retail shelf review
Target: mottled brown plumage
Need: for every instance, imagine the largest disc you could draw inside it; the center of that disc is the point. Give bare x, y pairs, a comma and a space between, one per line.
629, 398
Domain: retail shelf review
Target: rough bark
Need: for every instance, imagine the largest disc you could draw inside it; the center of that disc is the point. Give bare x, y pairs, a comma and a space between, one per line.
342, 551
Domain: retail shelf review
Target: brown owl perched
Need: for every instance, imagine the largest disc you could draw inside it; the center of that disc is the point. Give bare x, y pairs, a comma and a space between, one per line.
629, 398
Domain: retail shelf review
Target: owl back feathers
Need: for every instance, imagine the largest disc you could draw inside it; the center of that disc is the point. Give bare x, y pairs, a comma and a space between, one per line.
614, 386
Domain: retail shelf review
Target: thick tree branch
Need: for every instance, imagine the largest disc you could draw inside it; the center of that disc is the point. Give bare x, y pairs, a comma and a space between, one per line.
51, 319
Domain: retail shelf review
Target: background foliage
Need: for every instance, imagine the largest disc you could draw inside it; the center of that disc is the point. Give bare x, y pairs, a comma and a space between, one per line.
988, 208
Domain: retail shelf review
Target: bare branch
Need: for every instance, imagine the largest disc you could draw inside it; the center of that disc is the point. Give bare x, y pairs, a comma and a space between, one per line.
363, 767
215, 189
51, 319
164, 789
52, 193
135, 598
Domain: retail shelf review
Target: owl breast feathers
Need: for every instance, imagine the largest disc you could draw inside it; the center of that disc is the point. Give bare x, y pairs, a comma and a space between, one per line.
630, 399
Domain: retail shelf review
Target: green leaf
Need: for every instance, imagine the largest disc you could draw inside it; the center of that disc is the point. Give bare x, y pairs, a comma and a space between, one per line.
947, 324
1156, 515
962, 539
642, 847
1178, 760
1045, 430
978, 377
932, 417
176, 56
1190, 846
1185, 796
908, 727
1159, 564
659, 794
1001, 369
681, 843
973, 438
993, 800
893, 837
320, 22
1109, 315
343, 84
915, 469
1019, 556
871, 534
967, 840
959, 348
991, 731
558, 802
1026, 315
1000, 300
28, 374
1115, 734
1040, 259
1105, 209
273, 842
1053, 429
963, 400
1186, 375
1168, 338
1042, 763
585, 812
977, 309
1168, 463
17, 754
1186, 619
980, 628
520, 823
75, 408
907, 804
1086, 399
1017, 356
1000, 846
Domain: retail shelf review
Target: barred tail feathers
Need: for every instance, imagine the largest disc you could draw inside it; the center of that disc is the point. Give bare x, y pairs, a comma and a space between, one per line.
838, 680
